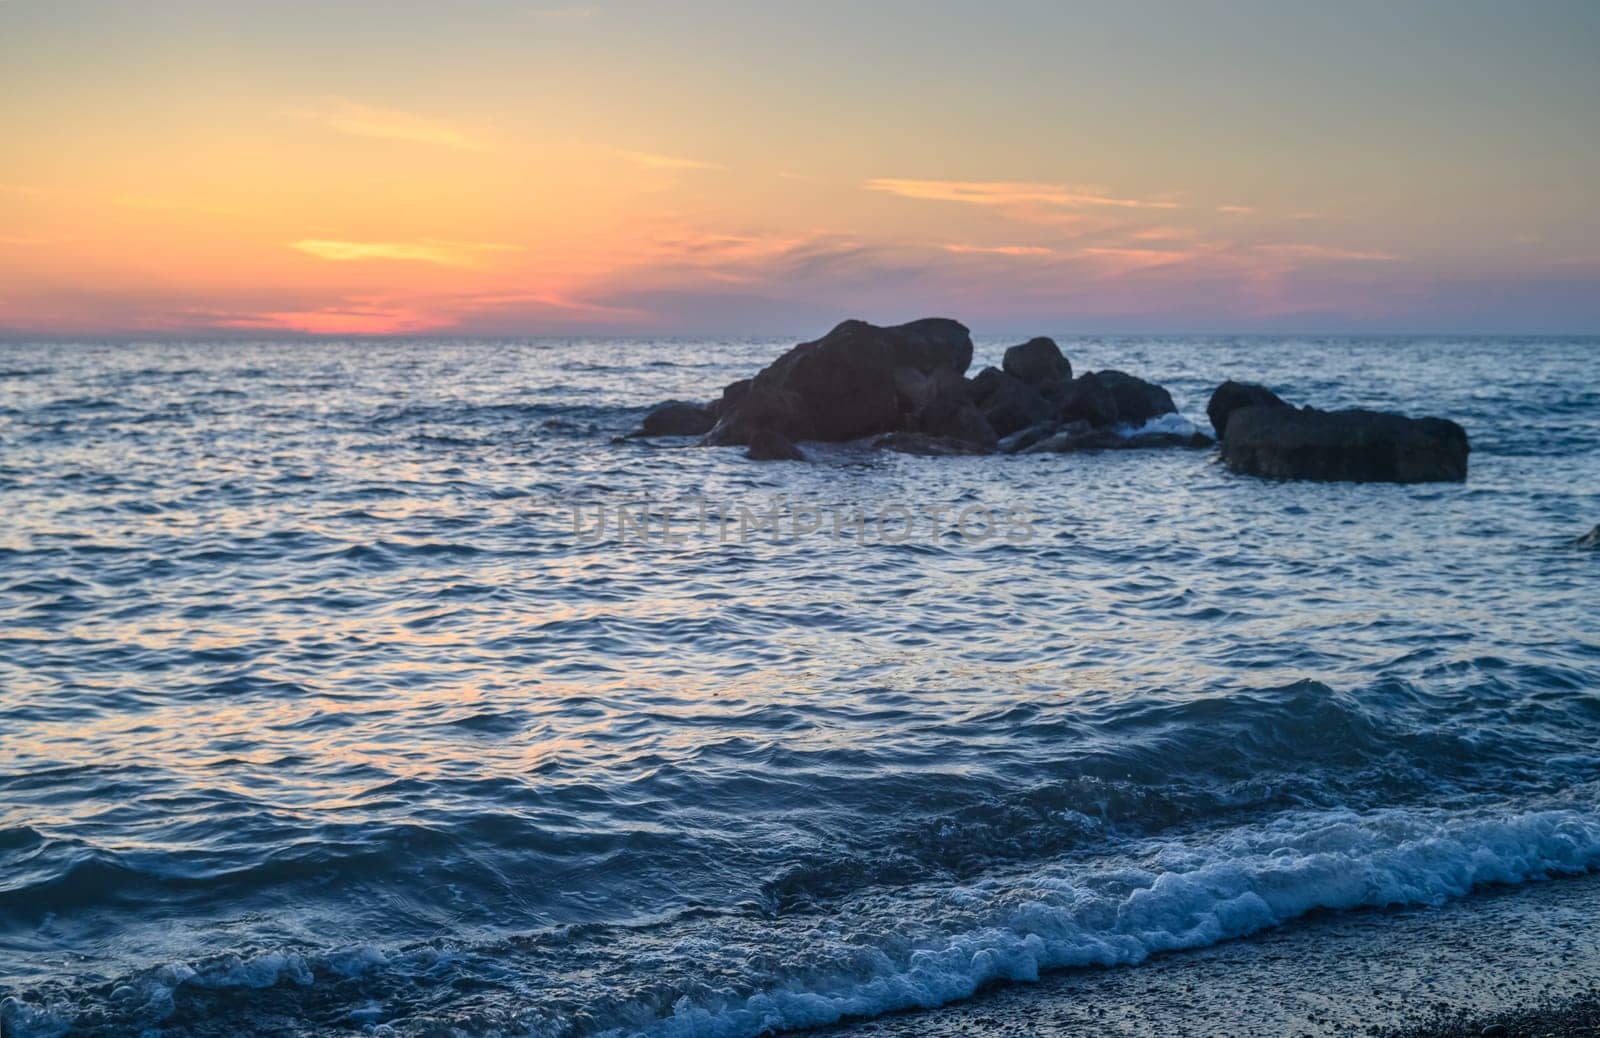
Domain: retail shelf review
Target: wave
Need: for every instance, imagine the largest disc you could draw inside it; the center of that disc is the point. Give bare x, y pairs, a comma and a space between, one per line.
1251, 882
739, 977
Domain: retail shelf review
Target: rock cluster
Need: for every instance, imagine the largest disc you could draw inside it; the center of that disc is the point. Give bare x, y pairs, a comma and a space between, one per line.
905, 388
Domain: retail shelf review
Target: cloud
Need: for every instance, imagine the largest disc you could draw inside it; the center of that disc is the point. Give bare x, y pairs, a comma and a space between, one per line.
23, 241
429, 250
1123, 260
1299, 250
388, 124
1011, 193
1237, 210
1000, 250
566, 12
650, 161
20, 189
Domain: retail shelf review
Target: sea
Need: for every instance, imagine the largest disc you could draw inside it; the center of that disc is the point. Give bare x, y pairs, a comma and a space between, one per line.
390, 688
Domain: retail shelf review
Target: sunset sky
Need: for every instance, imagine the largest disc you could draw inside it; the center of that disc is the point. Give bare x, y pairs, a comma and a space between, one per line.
195, 167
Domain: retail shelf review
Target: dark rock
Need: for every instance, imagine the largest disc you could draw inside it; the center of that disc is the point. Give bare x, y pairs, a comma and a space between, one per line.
1020, 441
1354, 445
1012, 405
1138, 401
767, 445
925, 445
1590, 539
845, 381
758, 409
1230, 396
731, 393
938, 405
1088, 399
677, 418
986, 382
1072, 436
1036, 362
1081, 436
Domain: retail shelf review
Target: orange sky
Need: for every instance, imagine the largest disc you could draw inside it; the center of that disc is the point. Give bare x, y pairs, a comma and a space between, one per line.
494, 167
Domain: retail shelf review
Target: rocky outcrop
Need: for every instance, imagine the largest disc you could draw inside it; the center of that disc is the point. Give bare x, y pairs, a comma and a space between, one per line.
1230, 396
677, 418
1589, 540
767, 445
1281, 442
905, 388
842, 386
1037, 362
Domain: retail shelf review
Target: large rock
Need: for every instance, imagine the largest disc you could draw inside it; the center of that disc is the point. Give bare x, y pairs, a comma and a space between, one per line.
1230, 396
767, 445
1087, 399
1589, 540
731, 394
844, 382
1036, 362
1137, 401
677, 418
1354, 445
939, 405
1013, 404
760, 409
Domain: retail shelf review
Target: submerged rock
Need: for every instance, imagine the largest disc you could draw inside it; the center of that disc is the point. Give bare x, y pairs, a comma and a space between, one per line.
1230, 396
767, 445
1062, 437
1037, 362
677, 418
926, 445
1354, 445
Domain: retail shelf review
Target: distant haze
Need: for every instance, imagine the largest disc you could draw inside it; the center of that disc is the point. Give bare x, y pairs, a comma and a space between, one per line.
490, 167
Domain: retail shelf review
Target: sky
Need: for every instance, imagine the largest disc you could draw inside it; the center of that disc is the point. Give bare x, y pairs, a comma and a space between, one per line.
511, 167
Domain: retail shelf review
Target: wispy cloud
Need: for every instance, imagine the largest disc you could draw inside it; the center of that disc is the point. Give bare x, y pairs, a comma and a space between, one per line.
1237, 210
652, 161
359, 120
1000, 250
1119, 260
428, 250
566, 12
1301, 250
1011, 193
23, 241
20, 189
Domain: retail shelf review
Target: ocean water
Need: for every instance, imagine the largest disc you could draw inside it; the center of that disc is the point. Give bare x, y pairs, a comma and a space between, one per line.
332, 703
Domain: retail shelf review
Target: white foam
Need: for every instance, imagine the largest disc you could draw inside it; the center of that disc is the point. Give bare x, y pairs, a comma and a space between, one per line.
1169, 424
1194, 895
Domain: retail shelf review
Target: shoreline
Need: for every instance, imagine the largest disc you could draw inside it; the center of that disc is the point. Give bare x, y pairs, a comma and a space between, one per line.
1524, 958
